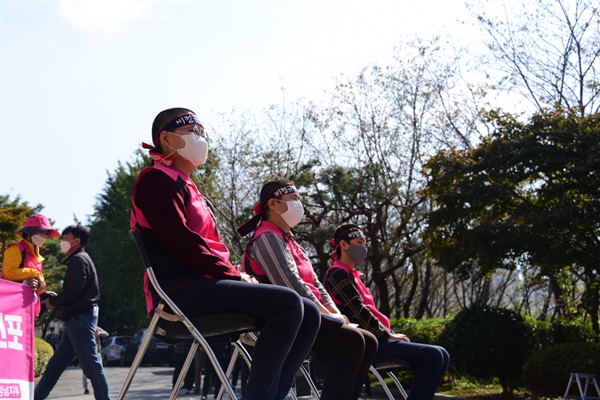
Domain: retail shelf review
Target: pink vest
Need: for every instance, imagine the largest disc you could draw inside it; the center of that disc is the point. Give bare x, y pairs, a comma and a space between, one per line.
29, 261
199, 219
305, 270
364, 292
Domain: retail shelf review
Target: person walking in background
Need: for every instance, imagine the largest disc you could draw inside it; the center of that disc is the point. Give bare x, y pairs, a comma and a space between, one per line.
342, 281
52, 337
211, 380
79, 309
241, 371
275, 257
198, 366
181, 351
22, 260
192, 263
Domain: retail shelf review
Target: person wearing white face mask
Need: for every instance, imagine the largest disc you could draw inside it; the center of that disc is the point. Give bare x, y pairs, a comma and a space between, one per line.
342, 280
78, 304
192, 263
274, 256
22, 260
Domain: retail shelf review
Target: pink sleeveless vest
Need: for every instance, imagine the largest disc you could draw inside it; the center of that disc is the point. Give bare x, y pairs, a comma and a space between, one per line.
303, 264
29, 261
199, 219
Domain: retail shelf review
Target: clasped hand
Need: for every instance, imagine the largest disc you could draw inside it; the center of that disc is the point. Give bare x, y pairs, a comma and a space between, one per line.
46, 301
248, 278
400, 337
36, 284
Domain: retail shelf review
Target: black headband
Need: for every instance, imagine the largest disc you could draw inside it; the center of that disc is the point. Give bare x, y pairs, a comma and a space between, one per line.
352, 233
275, 194
178, 122
252, 223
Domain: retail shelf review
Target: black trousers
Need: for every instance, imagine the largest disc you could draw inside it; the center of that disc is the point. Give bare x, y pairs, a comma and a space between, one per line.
289, 327
348, 354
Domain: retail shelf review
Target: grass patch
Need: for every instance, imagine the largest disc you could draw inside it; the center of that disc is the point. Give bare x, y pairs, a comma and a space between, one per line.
472, 390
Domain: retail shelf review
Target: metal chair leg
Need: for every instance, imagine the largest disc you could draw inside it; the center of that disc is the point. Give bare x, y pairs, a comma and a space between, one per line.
184, 370
230, 366
218, 370
398, 384
313, 387
384, 385
140, 354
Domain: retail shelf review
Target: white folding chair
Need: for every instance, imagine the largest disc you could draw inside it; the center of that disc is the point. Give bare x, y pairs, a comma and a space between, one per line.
171, 325
387, 366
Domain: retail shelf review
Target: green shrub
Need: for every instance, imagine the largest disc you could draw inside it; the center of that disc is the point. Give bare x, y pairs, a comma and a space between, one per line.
546, 334
421, 330
486, 342
43, 352
572, 331
547, 372
541, 333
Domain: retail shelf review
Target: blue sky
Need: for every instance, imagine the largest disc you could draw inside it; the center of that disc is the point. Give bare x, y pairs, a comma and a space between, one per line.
81, 81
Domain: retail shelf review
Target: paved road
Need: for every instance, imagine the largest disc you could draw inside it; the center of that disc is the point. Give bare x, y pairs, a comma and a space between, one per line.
149, 383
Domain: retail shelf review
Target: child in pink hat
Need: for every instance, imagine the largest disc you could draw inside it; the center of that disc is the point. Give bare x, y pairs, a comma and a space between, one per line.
22, 260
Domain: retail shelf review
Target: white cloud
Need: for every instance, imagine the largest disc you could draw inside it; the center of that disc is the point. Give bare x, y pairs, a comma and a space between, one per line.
103, 15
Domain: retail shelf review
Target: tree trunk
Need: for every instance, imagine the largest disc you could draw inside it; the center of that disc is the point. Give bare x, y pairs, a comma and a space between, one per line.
424, 292
411, 294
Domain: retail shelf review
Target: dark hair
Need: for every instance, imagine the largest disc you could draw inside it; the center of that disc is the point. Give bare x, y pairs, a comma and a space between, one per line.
269, 188
266, 193
339, 231
163, 118
78, 231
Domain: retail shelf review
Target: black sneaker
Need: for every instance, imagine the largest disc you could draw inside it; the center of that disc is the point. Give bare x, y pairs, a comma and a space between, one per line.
86, 391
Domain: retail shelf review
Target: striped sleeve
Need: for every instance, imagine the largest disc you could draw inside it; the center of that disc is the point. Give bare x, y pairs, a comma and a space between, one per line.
276, 260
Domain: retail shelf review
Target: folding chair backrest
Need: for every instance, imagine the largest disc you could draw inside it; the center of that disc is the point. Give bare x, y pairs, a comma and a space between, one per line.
139, 244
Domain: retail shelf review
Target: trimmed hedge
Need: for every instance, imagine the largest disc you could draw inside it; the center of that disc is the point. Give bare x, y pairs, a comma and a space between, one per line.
547, 372
489, 337
547, 334
486, 342
426, 331
43, 352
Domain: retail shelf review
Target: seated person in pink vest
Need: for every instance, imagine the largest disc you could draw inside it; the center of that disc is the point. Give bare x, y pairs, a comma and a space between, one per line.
192, 263
22, 260
275, 257
354, 299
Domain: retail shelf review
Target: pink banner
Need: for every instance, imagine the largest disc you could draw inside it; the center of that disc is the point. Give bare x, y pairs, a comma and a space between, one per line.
17, 348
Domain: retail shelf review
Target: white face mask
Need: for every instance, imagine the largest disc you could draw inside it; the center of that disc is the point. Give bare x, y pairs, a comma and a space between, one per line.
38, 240
195, 149
65, 246
294, 213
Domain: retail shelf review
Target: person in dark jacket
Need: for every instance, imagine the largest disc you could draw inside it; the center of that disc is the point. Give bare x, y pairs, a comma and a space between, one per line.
78, 303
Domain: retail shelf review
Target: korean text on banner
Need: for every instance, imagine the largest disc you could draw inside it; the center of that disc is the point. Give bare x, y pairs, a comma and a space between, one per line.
17, 350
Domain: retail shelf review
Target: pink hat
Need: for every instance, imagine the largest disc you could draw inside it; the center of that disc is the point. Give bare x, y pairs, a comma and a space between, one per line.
38, 223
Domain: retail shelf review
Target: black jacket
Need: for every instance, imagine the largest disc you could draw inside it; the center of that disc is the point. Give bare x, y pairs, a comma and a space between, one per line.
80, 287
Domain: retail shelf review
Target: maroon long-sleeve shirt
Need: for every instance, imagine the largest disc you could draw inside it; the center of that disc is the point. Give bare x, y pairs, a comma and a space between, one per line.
177, 213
